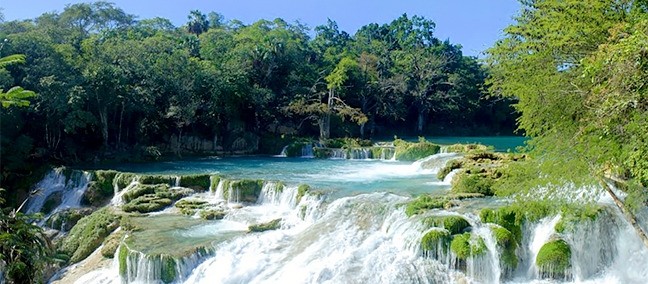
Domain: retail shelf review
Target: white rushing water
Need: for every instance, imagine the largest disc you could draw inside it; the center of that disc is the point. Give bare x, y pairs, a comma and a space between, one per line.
367, 238
70, 190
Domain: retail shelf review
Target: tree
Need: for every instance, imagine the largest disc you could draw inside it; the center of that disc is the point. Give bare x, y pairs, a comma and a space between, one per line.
198, 22
560, 60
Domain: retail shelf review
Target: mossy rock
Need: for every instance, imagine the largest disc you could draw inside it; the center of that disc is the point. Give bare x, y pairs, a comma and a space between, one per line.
214, 181
51, 202
111, 244
507, 243
67, 219
244, 190
322, 153
435, 240
301, 191
424, 203
467, 148
122, 180
407, 151
554, 259
454, 224
89, 233
156, 179
506, 217
449, 167
295, 149
100, 189
272, 225
573, 215
191, 203
212, 214
147, 203
464, 246
468, 182
144, 189
196, 182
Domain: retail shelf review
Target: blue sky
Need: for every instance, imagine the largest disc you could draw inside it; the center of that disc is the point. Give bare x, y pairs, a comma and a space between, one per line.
475, 24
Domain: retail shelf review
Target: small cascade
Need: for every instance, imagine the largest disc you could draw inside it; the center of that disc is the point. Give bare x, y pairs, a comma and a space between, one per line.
176, 181
448, 178
307, 151
338, 154
359, 154
284, 152
434, 162
542, 233
488, 270
70, 189
142, 268
271, 193
117, 199
219, 192
387, 153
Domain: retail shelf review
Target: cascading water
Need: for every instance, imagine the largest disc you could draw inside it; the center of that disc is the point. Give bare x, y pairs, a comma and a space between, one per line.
71, 190
541, 234
338, 154
307, 151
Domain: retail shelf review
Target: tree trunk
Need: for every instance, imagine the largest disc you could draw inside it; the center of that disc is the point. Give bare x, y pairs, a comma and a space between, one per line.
627, 213
121, 120
103, 118
362, 130
421, 121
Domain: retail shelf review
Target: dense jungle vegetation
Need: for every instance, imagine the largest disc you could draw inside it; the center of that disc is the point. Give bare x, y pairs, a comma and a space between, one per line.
112, 86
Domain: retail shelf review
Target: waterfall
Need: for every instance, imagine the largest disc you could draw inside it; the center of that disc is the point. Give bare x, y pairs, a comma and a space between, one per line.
284, 152
117, 199
541, 234
491, 271
363, 239
338, 154
434, 162
448, 178
55, 182
387, 153
142, 268
307, 151
271, 193
359, 153
176, 181
219, 193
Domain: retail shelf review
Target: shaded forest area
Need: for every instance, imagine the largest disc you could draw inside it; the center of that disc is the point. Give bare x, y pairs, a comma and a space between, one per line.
111, 86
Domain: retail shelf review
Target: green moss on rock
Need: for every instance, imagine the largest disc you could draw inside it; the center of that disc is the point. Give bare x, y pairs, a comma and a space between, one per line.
272, 225
111, 244
147, 203
466, 148
100, 189
212, 214
196, 182
468, 182
464, 246
156, 179
407, 151
89, 233
554, 259
450, 165
508, 245
245, 190
67, 219
322, 153
122, 180
506, 217
301, 191
454, 224
436, 239
214, 181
